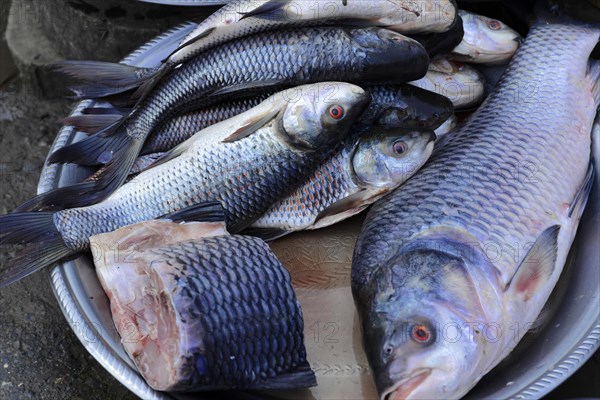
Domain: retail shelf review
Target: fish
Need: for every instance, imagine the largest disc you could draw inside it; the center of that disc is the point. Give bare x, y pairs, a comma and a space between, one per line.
461, 83
244, 164
447, 126
391, 105
203, 309
441, 44
485, 41
264, 62
362, 169
474, 242
240, 19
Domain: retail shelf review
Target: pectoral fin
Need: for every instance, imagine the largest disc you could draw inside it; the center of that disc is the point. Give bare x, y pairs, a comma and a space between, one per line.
251, 125
579, 202
211, 211
259, 86
538, 265
344, 208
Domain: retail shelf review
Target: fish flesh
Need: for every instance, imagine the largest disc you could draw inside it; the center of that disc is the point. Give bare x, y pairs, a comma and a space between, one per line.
474, 243
362, 169
242, 18
244, 164
260, 63
485, 40
203, 309
461, 83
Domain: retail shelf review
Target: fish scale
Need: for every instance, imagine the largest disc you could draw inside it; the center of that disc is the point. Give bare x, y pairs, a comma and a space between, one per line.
170, 187
236, 336
478, 178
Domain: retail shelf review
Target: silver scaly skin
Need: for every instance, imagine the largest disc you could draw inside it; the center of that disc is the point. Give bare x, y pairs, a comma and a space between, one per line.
478, 237
362, 169
246, 164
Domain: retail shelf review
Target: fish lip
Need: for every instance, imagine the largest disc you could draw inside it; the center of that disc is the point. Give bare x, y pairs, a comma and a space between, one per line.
410, 383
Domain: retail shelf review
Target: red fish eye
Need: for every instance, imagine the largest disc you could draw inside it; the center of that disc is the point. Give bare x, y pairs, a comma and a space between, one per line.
400, 147
421, 334
494, 25
336, 112
421, 123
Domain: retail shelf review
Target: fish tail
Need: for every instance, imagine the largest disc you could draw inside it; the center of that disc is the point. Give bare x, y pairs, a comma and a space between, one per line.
97, 79
92, 123
43, 244
111, 177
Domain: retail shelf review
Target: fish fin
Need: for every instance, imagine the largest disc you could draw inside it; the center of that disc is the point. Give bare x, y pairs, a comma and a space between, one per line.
144, 162
302, 377
250, 126
580, 201
106, 111
344, 208
247, 86
268, 11
93, 150
146, 87
92, 123
171, 154
210, 211
594, 75
266, 234
538, 265
43, 244
101, 79
185, 44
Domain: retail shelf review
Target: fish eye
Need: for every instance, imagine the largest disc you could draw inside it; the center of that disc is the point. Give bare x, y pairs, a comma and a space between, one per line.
421, 123
388, 350
336, 112
400, 147
421, 334
494, 25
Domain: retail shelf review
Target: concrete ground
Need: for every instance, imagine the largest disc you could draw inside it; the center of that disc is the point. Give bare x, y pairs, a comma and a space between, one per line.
40, 357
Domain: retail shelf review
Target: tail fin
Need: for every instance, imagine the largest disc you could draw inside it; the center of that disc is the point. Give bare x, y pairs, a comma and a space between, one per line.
43, 244
113, 175
92, 123
101, 79
94, 150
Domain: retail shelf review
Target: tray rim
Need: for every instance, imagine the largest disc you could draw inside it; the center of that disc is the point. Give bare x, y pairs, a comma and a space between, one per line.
131, 379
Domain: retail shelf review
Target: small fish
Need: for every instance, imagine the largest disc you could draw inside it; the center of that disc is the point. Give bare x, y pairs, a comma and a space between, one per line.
474, 242
198, 309
242, 18
461, 83
362, 169
391, 105
256, 64
244, 164
485, 41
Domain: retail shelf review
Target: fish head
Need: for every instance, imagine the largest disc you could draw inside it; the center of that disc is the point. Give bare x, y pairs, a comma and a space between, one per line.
320, 114
420, 109
386, 157
420, 329
486, 40
381, 51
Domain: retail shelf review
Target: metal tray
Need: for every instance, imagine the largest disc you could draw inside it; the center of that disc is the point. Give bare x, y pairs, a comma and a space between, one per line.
539, 364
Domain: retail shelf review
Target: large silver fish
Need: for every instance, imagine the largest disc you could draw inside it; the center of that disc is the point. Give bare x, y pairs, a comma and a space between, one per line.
243, 18
450, 270
362, 169
255, 64
246, 164
195, 307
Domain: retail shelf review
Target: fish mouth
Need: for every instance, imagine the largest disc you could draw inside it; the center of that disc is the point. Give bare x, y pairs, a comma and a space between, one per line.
406, 386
